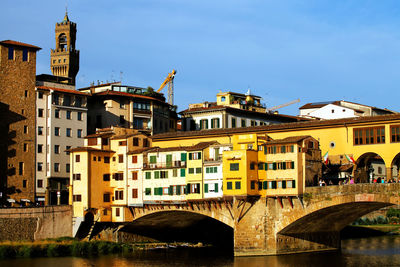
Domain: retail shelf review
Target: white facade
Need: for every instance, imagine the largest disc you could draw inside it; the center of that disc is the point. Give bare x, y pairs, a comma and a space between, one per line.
329, 112
61, 117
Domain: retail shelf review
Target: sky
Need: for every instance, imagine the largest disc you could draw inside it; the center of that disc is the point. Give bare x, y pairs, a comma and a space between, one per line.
314, 50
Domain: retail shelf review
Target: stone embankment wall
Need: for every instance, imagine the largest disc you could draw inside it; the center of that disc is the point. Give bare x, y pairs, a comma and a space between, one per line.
35, 223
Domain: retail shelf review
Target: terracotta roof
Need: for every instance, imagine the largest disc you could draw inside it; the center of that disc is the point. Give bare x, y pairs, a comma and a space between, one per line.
280, 127
201, 146
99, 134
109, 92
69, 91
140, 150
291, 139
11, 42
260, 114
88, 149
319, 104
124, 136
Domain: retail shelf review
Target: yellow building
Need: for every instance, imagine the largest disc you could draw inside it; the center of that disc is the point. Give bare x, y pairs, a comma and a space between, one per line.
99, 174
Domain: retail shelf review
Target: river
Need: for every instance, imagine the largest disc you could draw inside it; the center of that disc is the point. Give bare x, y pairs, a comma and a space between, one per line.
360, 252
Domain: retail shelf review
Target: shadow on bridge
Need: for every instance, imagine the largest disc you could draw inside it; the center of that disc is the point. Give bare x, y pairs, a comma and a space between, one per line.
182, 226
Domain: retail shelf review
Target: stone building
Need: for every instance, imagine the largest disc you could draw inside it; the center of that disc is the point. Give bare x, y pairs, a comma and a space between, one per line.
65, 58
17, 87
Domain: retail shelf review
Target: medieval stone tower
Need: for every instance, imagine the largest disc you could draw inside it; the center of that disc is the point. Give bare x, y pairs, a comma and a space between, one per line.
65, 58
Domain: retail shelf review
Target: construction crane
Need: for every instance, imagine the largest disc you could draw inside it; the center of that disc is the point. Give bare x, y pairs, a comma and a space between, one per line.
269, 110
170, 81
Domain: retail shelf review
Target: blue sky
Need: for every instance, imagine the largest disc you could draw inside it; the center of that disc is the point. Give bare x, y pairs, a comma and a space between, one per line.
315, 50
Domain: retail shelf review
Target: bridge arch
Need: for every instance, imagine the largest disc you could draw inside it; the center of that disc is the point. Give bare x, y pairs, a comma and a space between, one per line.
181, 225
395, 167
369, 165
316, 224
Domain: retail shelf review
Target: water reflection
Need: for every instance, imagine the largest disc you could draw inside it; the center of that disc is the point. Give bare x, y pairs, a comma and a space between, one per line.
374, 251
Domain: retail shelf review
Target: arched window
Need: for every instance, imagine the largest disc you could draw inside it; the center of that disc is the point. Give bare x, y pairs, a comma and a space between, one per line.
62, 41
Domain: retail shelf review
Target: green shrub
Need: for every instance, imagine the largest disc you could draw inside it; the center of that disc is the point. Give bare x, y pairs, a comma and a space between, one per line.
79, 249
7, 251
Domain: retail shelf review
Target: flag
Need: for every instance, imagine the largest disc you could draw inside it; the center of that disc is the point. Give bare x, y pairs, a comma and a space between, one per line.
350, 159
326, 158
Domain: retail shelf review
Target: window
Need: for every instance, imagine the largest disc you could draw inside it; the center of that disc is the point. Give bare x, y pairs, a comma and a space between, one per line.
40, 166
134, 159
57, 113
25, 147
24, 182
40, 130
237, 185
79, 116
67, 148
222, 98
394, 133
79, 133
119, 195
252, 165
195, 156
134, 193
21, 168
122, 105
25, 54
77, 198
11, 53
117, 212
234, 166
198, 170
26, 129
183, 172
67, 167
145, 142
203, 124
56, 149
56, 167
122, 143
214, 123
134, 175
106, 197
205, 188
147, 191
253, 185
233, 122
40, 183
229, 185
40, 112
68, 115
68, 132
174, 173
261, 165
106, 177
366, 136
191, 170
120, 158
78, 101
77, 158
40, 95
135, 141
148, 175
118, 176
122, 119
243, 123
153, 159
57, 131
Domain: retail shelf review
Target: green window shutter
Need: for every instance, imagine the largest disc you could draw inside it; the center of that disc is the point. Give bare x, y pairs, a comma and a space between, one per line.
216, 187
283, 184
265, 166
284, 165
183, 156
183, 173
148, 175
207, 170
190, 156
206, 124
274, 165
294, 184
178, 190
169, 160
205, 188
215, 169
237, 185
212, 123
265, 185
292, 164
218, 123
229, 185
170, 190
153, 159
156, 174
273, 184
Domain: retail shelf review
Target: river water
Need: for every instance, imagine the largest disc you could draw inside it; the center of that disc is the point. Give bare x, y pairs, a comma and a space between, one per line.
372, 251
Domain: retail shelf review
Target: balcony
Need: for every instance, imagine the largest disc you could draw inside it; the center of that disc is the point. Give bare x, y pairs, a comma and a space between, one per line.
164, 165
214, 160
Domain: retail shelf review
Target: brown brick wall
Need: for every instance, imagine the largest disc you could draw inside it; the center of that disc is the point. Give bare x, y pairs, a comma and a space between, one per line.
16, 77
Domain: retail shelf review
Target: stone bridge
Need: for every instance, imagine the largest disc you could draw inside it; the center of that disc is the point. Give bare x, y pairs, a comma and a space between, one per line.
271, 226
